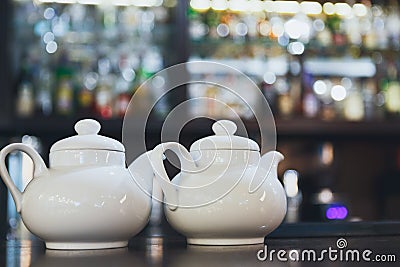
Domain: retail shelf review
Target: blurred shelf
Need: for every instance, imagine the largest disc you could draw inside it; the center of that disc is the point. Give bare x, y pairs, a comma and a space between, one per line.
59, 127
279, 65
56, 127
340, 67
340, 229
319, 128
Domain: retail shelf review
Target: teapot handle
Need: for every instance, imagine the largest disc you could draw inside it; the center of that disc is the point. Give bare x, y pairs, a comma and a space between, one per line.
187, 164
39, 166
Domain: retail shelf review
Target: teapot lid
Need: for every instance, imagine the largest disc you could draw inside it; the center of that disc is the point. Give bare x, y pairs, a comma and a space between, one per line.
88, 139
224, 139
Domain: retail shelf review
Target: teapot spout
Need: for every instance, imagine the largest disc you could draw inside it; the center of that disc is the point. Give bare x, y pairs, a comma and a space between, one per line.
142, 172
273, 157
268, 166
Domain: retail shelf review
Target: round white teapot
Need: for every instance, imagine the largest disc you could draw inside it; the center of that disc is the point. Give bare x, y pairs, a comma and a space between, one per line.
226, 193
87, 199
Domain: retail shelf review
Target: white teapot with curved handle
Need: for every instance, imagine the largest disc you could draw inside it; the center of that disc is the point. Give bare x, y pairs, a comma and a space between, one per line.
226, 193
87, 199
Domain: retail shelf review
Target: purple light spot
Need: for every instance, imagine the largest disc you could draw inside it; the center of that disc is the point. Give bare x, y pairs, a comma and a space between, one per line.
342, 213
336, 213
331, 213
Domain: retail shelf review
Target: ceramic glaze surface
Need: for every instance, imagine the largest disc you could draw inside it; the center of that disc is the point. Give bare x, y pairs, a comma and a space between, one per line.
104, 205
68, 158
238, 217
87, 199
222, 196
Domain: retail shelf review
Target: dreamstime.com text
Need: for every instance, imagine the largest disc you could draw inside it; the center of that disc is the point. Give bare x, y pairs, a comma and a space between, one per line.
339, 253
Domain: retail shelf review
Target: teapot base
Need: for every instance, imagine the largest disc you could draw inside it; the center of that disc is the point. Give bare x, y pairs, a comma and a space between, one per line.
225, 241
85, 245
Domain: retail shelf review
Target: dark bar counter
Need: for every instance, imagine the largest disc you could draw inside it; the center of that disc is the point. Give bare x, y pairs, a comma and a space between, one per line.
167, 248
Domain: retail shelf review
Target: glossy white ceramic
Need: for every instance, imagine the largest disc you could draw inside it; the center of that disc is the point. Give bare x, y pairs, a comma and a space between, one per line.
87, 199
222, 196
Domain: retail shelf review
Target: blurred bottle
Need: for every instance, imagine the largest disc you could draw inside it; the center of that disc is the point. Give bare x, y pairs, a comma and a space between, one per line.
393, 24
104, 93
212, 20
85, 101
25, 93
373, 101
65, 91
334, 24
197, 28
122, 97
86, 96
376, 35
211, 95
269, 93
65, 97
158, 90
391, 90
152, 62
328, 112
104, 98
294, 195
285, 105
354, 104
25, 100
310, 103
122, 103
44, 103
284, 100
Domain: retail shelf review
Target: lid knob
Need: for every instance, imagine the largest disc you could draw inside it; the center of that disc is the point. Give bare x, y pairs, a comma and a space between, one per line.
87, 126
224, 127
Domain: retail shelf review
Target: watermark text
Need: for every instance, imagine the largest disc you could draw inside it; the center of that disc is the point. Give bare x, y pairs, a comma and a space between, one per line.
339, 253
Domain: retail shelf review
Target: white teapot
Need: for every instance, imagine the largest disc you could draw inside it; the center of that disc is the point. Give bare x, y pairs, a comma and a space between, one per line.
87, 199
226, 193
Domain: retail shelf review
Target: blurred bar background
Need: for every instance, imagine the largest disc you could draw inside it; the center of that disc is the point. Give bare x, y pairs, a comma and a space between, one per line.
329, 70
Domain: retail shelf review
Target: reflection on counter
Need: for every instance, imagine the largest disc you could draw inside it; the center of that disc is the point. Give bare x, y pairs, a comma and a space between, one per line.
29, 254
176, 253
219, 256
93, 258
19, 252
